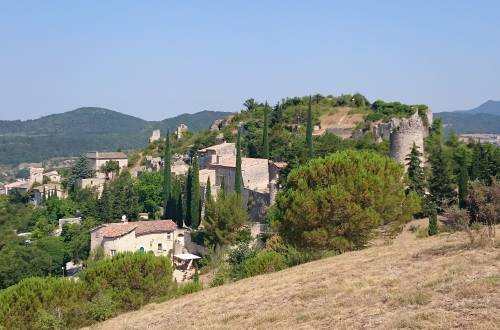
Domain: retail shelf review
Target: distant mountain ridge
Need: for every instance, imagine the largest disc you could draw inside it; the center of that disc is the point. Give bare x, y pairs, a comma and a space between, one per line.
90, 128
483, 119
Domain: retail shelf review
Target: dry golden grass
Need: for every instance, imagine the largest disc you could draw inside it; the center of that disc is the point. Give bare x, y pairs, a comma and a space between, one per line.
428, 283
340, 118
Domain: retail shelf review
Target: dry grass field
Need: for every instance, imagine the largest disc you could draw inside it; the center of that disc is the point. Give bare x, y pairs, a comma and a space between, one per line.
409, 283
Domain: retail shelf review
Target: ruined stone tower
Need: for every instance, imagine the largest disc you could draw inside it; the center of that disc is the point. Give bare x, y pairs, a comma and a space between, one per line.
404, 133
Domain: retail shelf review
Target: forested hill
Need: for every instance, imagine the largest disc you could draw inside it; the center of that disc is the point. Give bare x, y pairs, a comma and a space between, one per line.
75, 132
482, 119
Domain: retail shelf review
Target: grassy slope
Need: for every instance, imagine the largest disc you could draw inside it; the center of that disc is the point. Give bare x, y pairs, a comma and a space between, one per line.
412, 283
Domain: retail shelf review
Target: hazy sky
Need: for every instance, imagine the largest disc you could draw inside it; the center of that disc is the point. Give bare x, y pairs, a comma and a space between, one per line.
156, 59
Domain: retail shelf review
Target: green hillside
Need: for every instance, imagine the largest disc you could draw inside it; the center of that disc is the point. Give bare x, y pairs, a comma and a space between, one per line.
75, 132
463, 122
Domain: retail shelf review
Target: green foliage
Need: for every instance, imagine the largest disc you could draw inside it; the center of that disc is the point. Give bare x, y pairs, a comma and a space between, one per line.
238, 178
309, 130
52, 303
167, 179
265, 134
440, 183
149, 187
264, 262
337, 202
433, 223
110, 167
385, 110
195, 194
130, 279
119, 197
189, 287
80, 170
416, 172
224, 219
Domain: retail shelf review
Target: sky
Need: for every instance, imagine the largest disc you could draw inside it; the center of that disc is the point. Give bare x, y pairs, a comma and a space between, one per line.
157, 59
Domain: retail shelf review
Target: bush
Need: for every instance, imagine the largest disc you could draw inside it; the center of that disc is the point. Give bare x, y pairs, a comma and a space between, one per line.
131, 279
101, 308
49, 302
189, 287
264, 262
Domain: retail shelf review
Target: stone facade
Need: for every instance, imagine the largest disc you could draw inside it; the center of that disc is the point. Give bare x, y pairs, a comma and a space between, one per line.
45, 191
36, 174
92, 183
98, 159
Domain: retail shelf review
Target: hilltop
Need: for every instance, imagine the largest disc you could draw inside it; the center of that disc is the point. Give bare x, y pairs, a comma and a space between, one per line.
412, 283
483, 119
75, 132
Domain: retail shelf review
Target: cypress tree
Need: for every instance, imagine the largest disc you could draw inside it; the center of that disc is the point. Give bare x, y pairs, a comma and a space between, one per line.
167, 178
180, 211
433, 224
463, 186
265, 134
195, 194
208, 191
237, 176
309, 129
189, 200
416, 172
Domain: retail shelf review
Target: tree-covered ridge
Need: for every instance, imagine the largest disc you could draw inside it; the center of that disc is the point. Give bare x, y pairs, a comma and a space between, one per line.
75, 132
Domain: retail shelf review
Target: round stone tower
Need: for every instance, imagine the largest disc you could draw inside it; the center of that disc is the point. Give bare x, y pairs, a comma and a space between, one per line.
405, 132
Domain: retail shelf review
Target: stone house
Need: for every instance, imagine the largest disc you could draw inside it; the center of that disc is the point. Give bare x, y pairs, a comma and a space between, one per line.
157, 236
21, 186
52, 176
36, 174
214, 154
43, 192
98, 159
255, 173
67, 221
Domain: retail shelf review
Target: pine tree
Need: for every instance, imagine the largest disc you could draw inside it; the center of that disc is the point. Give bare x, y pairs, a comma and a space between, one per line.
440, 183
167, 179
237, 176
265, 134
433, 224
195, 194
416, 172
463, 186
105, 205
309, 129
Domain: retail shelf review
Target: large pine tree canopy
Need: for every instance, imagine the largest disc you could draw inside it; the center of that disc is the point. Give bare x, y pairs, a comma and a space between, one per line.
336, 202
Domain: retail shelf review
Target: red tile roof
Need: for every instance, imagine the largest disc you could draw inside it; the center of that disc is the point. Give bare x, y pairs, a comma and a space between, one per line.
112, 230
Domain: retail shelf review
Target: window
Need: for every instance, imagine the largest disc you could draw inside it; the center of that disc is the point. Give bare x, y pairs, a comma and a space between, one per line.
113, 253
169, 236
160, 248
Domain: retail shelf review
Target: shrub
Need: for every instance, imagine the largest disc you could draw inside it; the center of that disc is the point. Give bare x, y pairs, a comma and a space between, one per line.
189, 287
131, 279
49, 302
264, 262
101, 308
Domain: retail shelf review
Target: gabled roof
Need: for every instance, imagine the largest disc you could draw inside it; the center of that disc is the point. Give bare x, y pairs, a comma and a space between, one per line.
113, 230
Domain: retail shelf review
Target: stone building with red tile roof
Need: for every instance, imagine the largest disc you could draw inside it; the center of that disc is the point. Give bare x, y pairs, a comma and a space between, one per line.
157, 236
